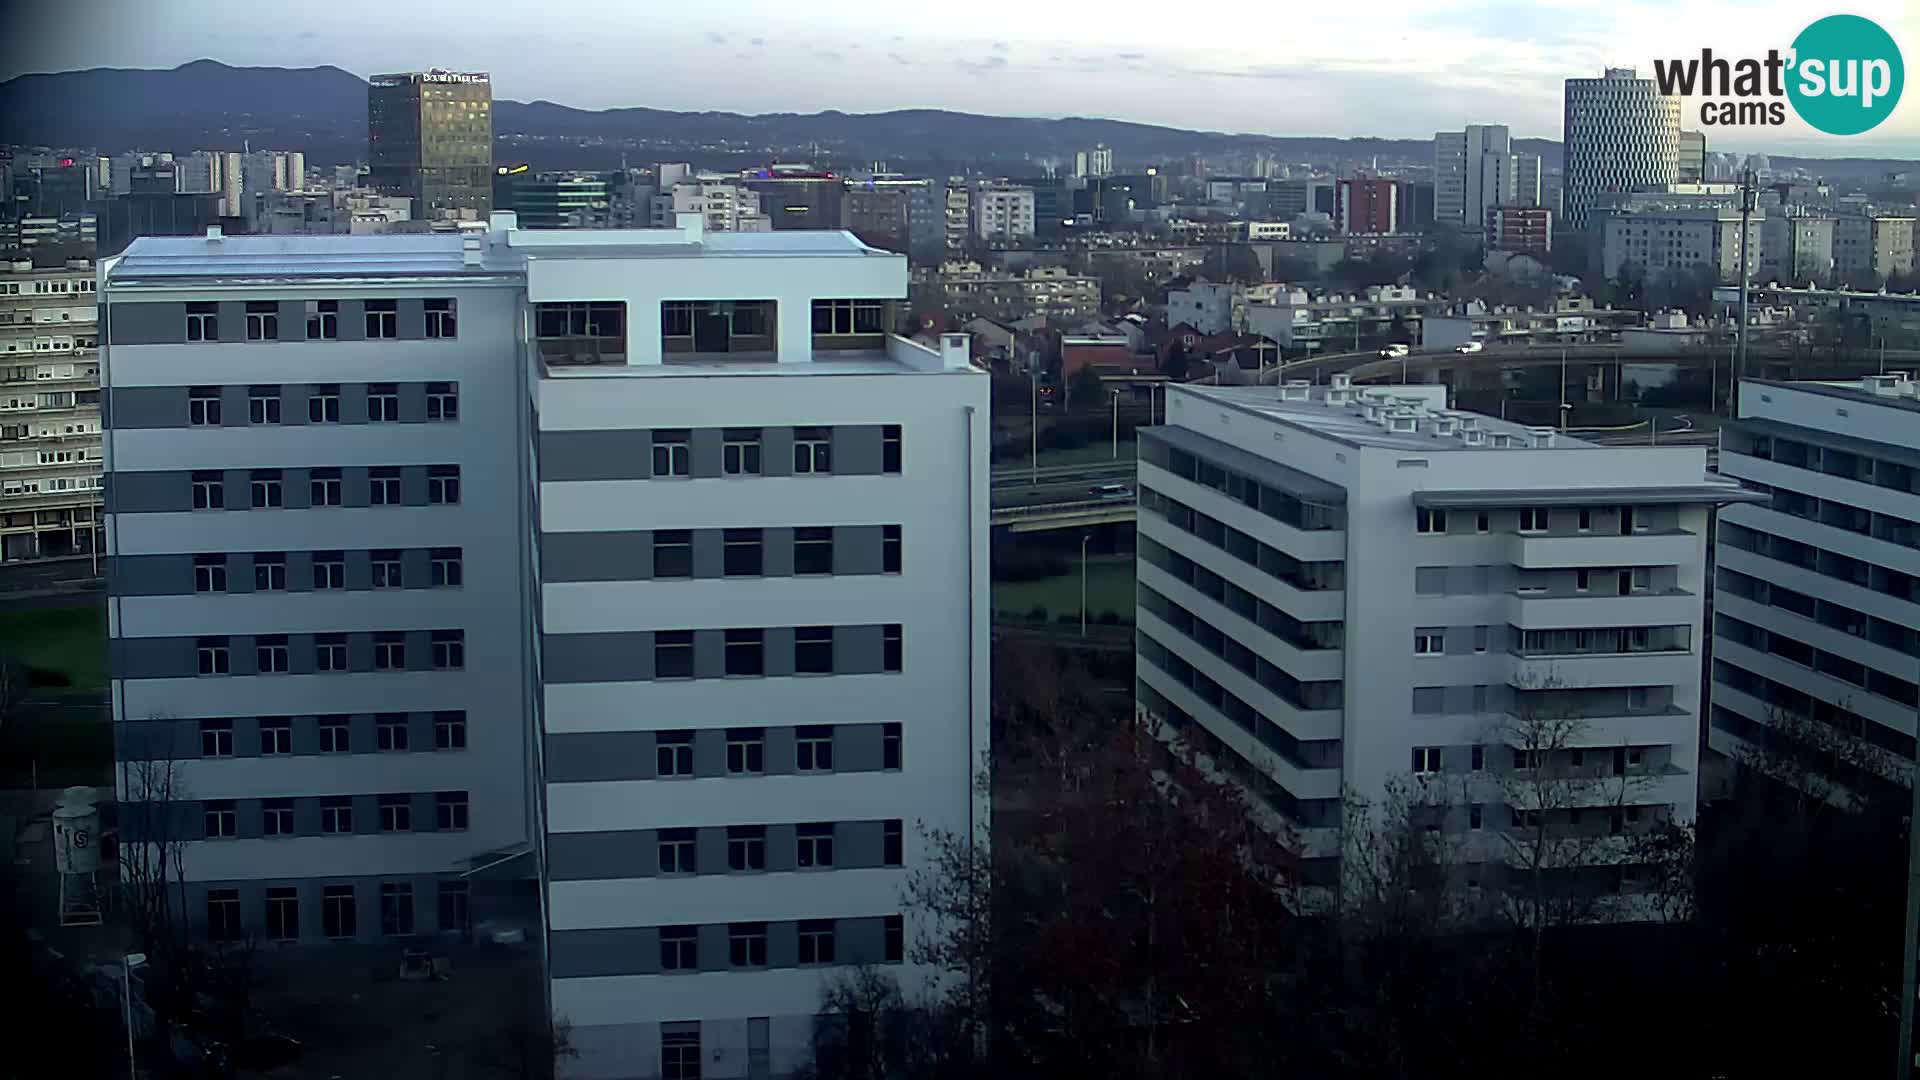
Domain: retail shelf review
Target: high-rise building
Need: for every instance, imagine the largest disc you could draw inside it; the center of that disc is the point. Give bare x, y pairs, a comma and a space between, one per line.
1413, 210
1095, 162
430, 138
1868, 247
1621, 134
959, 215
1347, 590
1693, 157
1365, 205
879, 209
1522, 230
1815, 598
1002, 212
560, 200
348, 608
797, 196
1477, 169
724, 201
49, 411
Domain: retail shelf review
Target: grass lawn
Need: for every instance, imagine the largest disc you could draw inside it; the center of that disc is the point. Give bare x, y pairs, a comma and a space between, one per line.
1109, 588
1095, 453
69, 642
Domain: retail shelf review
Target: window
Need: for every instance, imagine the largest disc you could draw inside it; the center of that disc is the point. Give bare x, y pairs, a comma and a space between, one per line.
1426, 759
335, 735
813, 550
679, 949
1427, 520
383, 319
1429, 643
323, 404
396, 908
212, 654
440, 319
443, 484
673, 753
740, 452
223, 914
746, 847
389, 651
269, 571
216, 738
894, 939
892, 842
1533, 520
264, 486
890, 746
747, 944
1581, 579
672, 453
1526, 819
1638, 698
1640, 579
672, 553
673, 654
1627, 522
816, 941
324, 487
890, 647
678, 852
813, 749
323, 320
329, 571
1474, 817
742, 552
390, 731
1586, 519
812, 451
1480, 522
336, 814
443, 401
746, 751
890, 448
203, 322
337, 916
263, 405
813, 650
680, 1049
383, 486
209, 573
203, 406
276, 735
889, 549
450, 811
746, 652
449, 650
455, 910
221, 819
396, 813
676, 319
384, 566
383, 403
843, 317
1479, 758
446, 568
208, 491
815, 842
276, 817
283, 914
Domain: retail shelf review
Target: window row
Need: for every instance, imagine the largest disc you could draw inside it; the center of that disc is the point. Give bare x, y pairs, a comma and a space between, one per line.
281, 918
742, 451
1833, 616
1832, 564
757, 552
1301, 694
816, 943
329, 815
1538, 520
746, 750
332, 734
1282, 506
1325, 634
279, 571
1790, 648
1300, 753
1891, 528
813, 848
1270, 560
262, 320
1780, 700
1258, 779
383, 650
269, 489
1861, 467
744, 652
208, 406
1542, 763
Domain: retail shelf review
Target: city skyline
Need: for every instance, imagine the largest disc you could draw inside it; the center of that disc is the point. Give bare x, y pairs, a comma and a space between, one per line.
1434, 69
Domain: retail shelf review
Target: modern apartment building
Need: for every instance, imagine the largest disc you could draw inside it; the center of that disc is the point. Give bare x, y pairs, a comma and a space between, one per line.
1365, 205
1345, 589
723, 201
1002, 212
1476, 169
1621, 134
1693, 157
1816, 595
1796, 247
49, 411
1873, 245
1670, 234
601, 561
1524, 230
430, 138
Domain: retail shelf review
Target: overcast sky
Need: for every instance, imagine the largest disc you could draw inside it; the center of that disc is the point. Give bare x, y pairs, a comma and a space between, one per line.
1396, 68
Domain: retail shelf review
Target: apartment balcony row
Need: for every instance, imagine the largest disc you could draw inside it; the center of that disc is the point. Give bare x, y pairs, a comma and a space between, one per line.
1632, 607
1607, 656
602, 333
1638, 547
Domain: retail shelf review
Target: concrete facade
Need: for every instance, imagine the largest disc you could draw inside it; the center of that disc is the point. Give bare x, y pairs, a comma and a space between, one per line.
49, 411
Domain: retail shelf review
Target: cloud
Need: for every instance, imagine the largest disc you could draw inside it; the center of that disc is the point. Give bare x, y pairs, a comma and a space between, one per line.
1131, 57
1000, 46
306, 35
758, 43
717, 38
828, 54
983, 65
898, 59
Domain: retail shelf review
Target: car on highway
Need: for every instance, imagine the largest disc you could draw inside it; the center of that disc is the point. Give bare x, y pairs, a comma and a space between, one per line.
1398, 348
1110, 491
1468, 347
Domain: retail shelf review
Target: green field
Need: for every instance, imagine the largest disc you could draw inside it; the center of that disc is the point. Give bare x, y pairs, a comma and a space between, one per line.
1109, 588
59, 735
61, 648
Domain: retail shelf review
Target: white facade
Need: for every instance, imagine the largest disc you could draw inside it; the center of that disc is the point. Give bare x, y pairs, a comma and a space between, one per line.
1621, 134
1873, 245
1206, 306
1331, 603
1663, 239
1818, 590
49, 412
1002, 213
725, 203
1475, 170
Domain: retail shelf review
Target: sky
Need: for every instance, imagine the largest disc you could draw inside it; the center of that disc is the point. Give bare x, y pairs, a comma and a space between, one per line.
1392, 68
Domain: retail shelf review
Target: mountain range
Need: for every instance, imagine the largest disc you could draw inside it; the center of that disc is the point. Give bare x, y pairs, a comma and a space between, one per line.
323, 111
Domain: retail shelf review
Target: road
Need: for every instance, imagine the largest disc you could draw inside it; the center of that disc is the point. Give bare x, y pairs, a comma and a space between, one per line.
1013, 486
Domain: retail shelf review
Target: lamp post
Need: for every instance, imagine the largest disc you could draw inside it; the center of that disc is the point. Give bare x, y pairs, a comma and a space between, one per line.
1083, 582
1033, 429
128, 963
1116, 425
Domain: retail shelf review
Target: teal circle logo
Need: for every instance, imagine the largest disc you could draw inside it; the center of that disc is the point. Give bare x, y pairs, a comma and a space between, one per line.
1847, 75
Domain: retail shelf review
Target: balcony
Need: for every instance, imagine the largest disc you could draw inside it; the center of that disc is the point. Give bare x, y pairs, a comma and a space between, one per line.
1648, 547
1535, 611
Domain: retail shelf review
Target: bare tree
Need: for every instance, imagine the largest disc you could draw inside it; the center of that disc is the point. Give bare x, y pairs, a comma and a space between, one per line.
153, 797
528, 1048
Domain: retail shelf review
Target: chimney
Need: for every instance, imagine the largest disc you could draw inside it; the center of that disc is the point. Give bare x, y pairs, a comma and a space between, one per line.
503, 221
956, 350
214, 234
470, 249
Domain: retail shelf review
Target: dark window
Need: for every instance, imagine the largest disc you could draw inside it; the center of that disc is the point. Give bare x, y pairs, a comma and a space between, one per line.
337, 916
336, 735
283, 914
263, 321
813, 748
893, 842
216, 738
449, 650
323, 404
223, 914
212, 655
443, 401
336, 814
890, 448
329, 570
812, 450
450, 811
440, 318
890, 647
894, 939
446, 568
890, 746
323, 320
740, 452
390, 731
203, 322
813, 550
747, 945
673, 753
672, 453
396, 908
389, 651
383, 319
383, 403
816, 941
746, 751
450, 730
324, 487
209, 573
815, 845
679, 1050
813, 650
455, 909
385, 567
890, 549
746, 652
747, 847
742, 552
269, 571
263, 405
680, 951
330, 652
203, 406
678, 852
672, 553
396, 813
673, 654
221, 819
264, 486
276, 735
208, 491
276, 817
443, 484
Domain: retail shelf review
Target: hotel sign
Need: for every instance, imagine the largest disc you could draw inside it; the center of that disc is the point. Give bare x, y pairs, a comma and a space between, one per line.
454, 77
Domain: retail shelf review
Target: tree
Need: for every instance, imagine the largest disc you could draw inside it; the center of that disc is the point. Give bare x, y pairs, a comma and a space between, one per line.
1086, 391
866, 1029
1175, 366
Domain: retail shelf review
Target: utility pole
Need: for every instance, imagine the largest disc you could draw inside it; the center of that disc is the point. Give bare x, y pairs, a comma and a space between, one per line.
1033, 430
1747, 196
1563, 388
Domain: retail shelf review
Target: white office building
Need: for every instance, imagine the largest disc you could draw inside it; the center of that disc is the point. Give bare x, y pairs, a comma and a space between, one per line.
49, 411
1621, 134
1345, 589
629, 587
1664, 237
1475, 170
1817, 590
725, 204
1002, 212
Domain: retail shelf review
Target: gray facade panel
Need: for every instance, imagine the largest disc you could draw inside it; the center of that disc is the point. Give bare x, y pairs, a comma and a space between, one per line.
147, 324
709, 553
233, 404
779, 650
596, 556
710, 850
293, 403
150, 492
412, 324
704, 453
130, 407
779, 751
856, 748
151, 575
776, 451
413, 400
157, 739
592, 756
777, 551
293, 320
710, 752
780, 848
856, 450
233, 320
858, 845
856, 549
159, 658
413, 485
860, 941
783, 945
709, 654
247, 819
858, 650
598, 856
366, 814
577, 954
582, 658
416, 568
596, 455
353, 321
353, 403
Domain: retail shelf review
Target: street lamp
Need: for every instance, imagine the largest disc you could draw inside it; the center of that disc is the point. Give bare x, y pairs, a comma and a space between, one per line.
1033, 429
1084, 537
128, 963
1116, 425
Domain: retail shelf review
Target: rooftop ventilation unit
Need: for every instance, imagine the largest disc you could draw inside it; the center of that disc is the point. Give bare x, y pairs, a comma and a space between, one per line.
1542, 436
1473, 436
1502, 439
1445, 425
1887, 385
1337, 397
1296, 390
1469, 422
1341, 381
1402, 423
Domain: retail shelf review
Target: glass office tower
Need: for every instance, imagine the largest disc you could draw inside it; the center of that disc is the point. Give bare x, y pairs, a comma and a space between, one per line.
430, 138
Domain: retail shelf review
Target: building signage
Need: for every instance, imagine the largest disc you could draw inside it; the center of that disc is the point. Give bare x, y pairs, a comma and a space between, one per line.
453, 77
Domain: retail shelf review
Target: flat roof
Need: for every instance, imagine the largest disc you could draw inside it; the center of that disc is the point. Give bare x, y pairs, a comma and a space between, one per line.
1349, 424
1290, 480
1851, 391
1707, 491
